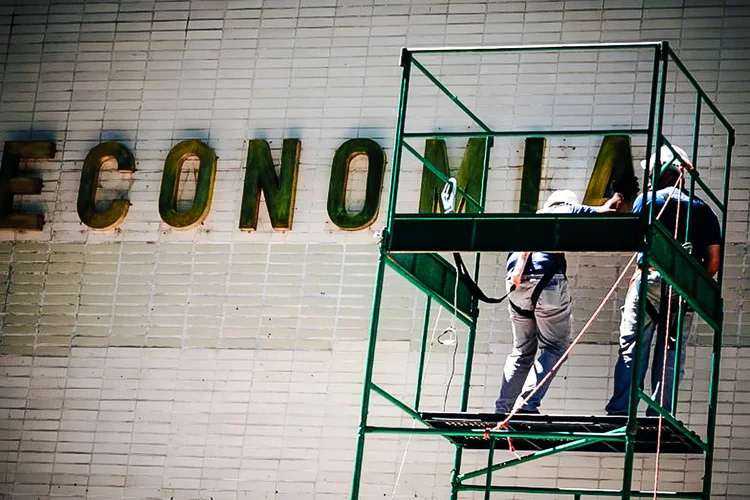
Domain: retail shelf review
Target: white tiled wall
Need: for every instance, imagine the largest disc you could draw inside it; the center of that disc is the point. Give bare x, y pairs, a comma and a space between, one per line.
146, 362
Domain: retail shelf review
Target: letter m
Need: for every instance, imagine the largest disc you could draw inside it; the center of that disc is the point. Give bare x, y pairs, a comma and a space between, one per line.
469, 175
279, 190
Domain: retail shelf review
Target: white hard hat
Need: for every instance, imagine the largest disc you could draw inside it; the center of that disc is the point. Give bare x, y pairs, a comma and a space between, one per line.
565, 196
667, 156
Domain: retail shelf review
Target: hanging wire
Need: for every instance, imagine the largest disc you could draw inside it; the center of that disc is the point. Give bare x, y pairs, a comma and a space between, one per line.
433, 338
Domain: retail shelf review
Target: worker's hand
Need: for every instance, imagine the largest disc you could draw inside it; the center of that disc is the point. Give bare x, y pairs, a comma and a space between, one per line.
613, 204
616, 202
448, 196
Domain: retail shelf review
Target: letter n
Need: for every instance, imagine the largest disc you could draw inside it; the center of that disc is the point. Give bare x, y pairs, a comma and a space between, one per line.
279, 191
469, 177
12, 185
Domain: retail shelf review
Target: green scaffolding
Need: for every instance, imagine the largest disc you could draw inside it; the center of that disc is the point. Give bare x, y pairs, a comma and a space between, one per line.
410, 243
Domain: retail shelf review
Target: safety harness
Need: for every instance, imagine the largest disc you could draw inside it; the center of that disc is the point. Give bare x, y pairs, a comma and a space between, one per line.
558, 264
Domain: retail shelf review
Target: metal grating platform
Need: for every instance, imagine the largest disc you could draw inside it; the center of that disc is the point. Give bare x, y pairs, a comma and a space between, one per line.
672, 440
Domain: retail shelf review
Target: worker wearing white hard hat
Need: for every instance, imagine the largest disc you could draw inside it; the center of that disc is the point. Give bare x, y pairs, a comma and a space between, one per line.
541, 311
705, 240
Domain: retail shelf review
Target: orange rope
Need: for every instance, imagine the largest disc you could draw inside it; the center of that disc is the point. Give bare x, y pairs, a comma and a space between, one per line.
666, 345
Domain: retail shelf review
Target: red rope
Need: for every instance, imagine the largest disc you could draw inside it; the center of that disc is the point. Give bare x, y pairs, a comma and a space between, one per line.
666, 345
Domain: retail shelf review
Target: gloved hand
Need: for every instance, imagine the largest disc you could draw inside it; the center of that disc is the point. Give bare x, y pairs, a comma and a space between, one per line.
448, 196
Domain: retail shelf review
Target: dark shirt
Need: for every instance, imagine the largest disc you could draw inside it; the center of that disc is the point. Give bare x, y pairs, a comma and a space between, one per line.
540, 262
705, 229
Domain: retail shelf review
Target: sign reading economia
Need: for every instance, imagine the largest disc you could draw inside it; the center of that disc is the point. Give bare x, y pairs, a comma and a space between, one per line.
613, 171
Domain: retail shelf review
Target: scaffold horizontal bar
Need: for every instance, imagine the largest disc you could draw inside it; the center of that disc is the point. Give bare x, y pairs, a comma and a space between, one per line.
436, 277
413, 414
443, 178
708, 191
679, 426
697, 87
526, 133
579, 491
560, 436
688, 278
535, 456
534, 48
431, 233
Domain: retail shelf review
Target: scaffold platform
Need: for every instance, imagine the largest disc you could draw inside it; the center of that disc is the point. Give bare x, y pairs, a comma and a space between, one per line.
672, 440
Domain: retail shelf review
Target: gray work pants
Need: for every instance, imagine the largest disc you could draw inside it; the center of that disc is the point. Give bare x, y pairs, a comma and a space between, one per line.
548, 331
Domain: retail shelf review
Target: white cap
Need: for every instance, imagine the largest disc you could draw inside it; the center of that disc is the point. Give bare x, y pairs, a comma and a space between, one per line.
667, 156
565, 196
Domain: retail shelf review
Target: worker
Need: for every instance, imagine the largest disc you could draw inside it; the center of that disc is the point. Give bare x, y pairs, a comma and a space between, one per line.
705, 241
540, 310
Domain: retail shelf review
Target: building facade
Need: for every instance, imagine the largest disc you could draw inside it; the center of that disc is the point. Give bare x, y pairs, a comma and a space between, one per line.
216, 362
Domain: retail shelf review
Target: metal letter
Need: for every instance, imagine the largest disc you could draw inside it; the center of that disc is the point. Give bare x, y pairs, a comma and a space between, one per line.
92, 167
339, 177
203, 190
279, 191
531, 177
469, 174
613, 172
11, 185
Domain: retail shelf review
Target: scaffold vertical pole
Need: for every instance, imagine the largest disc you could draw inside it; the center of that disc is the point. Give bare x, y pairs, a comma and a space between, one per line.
380, 275
713, 398
647, 218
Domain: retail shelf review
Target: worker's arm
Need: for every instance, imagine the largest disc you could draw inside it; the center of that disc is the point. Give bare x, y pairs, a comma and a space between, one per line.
611, 205
713, 259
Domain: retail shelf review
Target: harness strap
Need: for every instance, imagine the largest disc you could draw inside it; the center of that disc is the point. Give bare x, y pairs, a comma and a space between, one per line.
468, 281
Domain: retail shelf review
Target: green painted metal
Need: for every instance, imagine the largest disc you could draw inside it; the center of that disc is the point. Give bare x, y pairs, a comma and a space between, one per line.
580, 491
683, 69
455, 471
379, 277
647, 217
411, 240
510, 232
450, 95
398, 140
713, 398
490, 459
436, 277
688, 433
537, 455
443, 177
468, 177
422, 351
411, 412
279, 190
92, 165
687, 277
531, 176
708, 192
337, 187
535, 48
365, 407
557, 436
525, 133
691, 195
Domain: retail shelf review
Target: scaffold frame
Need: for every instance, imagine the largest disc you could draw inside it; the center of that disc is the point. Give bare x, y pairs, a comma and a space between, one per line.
410, 243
